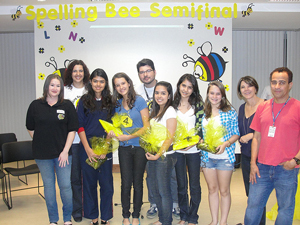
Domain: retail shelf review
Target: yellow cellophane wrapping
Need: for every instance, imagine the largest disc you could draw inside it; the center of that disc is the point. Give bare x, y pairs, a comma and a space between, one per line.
184, 137
102, 146
153, 138
213, 136
115, 126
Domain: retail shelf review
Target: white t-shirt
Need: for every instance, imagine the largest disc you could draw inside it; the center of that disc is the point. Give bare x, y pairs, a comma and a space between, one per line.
217, 119
190, 119
74, 94
170, 113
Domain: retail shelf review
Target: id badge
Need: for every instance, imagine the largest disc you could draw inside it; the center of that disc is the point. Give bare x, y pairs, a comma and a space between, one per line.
271, 132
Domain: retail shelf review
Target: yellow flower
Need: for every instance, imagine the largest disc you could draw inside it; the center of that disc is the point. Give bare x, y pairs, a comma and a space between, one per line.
40, 25
226, 87
191, 42
208, 25
41, 76
74, 23
61, 49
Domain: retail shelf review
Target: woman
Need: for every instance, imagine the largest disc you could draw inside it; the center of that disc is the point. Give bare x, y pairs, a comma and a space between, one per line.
52, 123
189, 107
160, 170
131, 156
247, 89
95, 105
218, 168
76, 78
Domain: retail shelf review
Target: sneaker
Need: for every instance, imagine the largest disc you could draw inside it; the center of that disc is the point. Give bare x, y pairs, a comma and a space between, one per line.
176, 213
151, 213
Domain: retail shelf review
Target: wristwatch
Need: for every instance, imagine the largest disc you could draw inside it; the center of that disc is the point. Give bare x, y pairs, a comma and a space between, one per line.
297, 160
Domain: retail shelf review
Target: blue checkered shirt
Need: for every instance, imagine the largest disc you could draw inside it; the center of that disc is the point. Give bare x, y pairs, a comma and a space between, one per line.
230, 121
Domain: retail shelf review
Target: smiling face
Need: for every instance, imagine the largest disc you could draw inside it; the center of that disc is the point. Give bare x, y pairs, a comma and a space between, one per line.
98, 85
247, 91
280, 86
78, 74
186, 89
54, 88
161, 95
147, 75
214, 96
122, 86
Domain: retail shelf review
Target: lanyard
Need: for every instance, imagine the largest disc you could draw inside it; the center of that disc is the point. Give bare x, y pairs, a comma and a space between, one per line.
279, 110
147, 94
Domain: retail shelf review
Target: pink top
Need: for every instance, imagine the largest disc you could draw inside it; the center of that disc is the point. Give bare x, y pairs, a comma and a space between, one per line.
285, 144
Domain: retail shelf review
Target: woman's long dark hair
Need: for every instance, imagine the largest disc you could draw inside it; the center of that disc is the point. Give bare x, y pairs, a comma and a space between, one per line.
195, 98
131, 96
225, 105
68, 74
156, 107
89, 99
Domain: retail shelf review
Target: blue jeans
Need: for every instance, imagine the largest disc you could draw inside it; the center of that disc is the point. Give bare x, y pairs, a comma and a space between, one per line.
160, 171
285, 184
173, 187
48, 168
132, 161
76, 181
188, 210
246, 176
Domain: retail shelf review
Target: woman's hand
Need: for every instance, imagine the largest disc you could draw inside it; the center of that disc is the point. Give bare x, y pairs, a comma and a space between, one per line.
244, 139
63, 159
111, 134
152, 157
221, 148
91, 155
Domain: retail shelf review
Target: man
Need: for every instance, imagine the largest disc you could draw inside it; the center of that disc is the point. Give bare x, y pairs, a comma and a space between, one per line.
147, 74
275, 155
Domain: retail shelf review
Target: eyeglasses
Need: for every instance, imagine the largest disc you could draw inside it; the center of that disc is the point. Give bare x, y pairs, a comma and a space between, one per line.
281, 82
144, 72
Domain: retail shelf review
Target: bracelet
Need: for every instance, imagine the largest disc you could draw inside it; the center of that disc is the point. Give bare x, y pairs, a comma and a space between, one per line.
229, 144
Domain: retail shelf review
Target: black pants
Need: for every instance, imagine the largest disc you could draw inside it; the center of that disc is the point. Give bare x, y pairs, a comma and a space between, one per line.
132, 161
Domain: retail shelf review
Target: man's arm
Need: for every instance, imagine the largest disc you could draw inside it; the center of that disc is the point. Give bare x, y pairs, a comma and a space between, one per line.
289, 165
254, 154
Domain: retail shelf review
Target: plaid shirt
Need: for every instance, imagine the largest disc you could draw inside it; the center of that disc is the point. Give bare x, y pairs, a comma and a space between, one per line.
230, 121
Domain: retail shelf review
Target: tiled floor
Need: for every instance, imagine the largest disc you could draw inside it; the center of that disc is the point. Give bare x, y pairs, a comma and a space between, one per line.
29, 208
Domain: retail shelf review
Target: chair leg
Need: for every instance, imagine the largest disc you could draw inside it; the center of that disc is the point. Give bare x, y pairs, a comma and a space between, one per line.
9, 197
25, 182
5, 192
40, 186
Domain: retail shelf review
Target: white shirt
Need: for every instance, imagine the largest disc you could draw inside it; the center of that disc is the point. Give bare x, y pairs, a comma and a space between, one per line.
190, 119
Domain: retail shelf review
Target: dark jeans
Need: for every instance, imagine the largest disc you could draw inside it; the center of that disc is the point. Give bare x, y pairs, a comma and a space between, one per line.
132, 161
160, 171
188, 210
246, 176
76, 181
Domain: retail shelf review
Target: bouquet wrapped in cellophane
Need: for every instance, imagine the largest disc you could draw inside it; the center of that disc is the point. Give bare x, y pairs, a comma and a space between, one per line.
102, 146
184, 137
213, 137
152, 138
118, 120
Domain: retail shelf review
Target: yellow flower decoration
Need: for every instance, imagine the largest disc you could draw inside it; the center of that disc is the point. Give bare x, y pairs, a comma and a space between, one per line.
226, 87
74, 23
191, 42
41, 76
40, 25
61, 49
208, 25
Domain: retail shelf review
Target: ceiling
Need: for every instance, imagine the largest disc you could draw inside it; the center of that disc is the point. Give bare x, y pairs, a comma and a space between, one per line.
266, 15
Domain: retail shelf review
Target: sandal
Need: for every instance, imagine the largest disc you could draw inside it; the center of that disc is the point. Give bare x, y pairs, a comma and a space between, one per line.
95, 223
104, 222
68, 223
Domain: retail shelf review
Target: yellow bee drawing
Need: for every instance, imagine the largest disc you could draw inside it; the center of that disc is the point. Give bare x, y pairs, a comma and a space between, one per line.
248, 11
17, 14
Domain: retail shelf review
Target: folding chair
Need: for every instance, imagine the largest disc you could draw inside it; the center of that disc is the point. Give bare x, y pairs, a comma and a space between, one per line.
19, 151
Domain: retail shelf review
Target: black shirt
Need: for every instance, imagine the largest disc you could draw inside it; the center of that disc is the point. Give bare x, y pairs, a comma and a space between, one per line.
51, 125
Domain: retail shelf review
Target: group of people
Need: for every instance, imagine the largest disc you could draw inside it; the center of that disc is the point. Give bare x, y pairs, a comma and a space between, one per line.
61, 133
